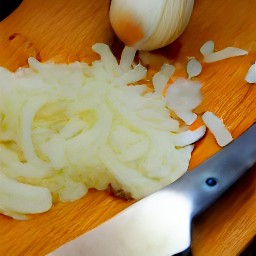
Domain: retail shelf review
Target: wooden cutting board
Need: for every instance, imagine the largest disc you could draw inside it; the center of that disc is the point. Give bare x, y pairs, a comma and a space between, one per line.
64, 31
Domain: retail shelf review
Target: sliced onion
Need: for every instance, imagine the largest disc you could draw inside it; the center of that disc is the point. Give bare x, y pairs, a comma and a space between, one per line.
153, 59
27, 117
182, 97
127, 58
189, 137
23, 198
207, 48
194, 68
77, 126
133, 75
218, 129
224, 54
161, 78
107, 57
251, 74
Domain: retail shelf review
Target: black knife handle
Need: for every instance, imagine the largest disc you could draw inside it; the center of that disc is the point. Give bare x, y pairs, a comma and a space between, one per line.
250, 250
186, 252
7, 7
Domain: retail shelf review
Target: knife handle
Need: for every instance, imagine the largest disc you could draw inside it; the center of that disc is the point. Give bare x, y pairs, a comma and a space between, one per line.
7, 7
186, 252
207, 182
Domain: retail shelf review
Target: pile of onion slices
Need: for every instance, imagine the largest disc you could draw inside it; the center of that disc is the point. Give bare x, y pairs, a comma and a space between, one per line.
66, 128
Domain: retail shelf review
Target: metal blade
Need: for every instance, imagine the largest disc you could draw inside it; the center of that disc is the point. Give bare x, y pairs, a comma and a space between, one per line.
156, 225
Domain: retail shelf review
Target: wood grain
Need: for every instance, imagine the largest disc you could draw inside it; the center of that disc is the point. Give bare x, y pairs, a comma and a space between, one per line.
64, 31
60, 31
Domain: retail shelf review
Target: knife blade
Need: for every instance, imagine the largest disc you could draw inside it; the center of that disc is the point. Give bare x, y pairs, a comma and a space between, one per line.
160, 224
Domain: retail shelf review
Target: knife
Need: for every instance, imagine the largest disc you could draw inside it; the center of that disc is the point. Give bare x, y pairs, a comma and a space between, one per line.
160, 224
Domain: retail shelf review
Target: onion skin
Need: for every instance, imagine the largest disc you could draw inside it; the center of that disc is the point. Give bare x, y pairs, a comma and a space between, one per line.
149, 24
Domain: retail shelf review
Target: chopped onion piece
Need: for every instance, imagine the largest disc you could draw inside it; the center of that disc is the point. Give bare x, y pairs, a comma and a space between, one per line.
224, 54
153, 59
161, 78
218, 129
23, 198
27, 116
189, 137
182, 97
107, 57
127, 58
194, 68
207, 48
251, 74
133, 75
